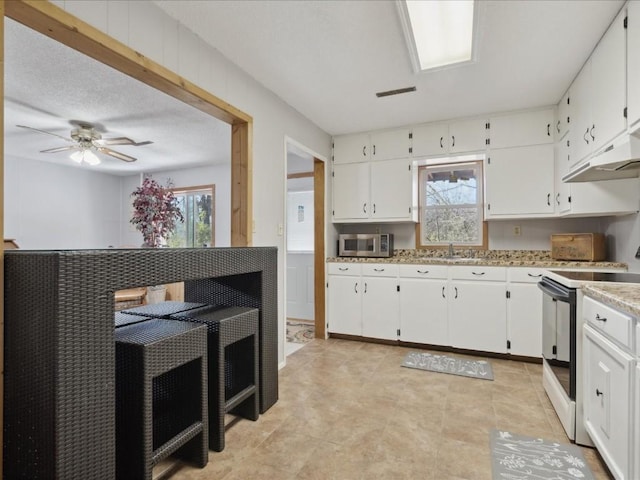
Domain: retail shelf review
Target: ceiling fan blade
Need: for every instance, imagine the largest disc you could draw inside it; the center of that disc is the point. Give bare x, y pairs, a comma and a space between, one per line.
118, 155
44, 131
120, 141
60, 149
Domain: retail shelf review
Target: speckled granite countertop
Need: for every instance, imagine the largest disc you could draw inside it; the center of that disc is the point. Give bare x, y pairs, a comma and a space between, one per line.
623, 296
498, 258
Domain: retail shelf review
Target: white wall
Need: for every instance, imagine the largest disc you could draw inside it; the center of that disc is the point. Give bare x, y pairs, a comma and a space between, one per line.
49, 206
300, 221
147, 29
535, 234
623, 240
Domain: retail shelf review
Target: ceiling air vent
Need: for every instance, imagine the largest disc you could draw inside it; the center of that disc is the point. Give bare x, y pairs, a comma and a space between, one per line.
398, 91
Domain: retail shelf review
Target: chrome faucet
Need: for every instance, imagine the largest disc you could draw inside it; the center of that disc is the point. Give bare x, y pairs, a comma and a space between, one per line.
451, 250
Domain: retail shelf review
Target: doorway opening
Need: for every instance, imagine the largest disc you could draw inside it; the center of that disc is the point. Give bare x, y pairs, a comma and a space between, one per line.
304, 248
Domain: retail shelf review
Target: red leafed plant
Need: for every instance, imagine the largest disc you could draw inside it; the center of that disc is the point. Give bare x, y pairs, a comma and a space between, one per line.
155, 211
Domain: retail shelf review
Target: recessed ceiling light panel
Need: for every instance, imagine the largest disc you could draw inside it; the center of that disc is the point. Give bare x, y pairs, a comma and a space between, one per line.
438, 32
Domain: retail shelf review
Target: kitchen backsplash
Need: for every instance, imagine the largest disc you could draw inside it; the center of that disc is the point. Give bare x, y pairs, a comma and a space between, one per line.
534, 234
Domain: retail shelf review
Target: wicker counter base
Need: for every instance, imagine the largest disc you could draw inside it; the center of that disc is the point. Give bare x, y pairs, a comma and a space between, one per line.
60, 352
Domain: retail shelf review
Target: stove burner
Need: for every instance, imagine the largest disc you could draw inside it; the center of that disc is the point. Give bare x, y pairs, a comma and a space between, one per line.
620, 277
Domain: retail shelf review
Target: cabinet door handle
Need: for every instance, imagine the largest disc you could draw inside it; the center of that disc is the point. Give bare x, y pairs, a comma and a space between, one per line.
374, 149
441, 140
600, 319
364, 207
591, 132
378, 269
558, 199
422, 271
453, 140
374, 208
534, 276
599, 393
549, 199
364, 151
456, 289
558, 126
584, 137
343, 269
548, 129
443, 293
355, 287
365, 287
478, 273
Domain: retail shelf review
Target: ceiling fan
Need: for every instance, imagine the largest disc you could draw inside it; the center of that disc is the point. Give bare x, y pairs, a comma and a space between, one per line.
85, 140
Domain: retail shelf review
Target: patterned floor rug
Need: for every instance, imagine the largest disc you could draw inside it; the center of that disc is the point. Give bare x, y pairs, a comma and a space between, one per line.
527, 458
300, 331
445, 364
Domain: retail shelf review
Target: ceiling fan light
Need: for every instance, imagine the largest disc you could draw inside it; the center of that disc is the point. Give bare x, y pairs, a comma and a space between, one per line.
76, 156
90, 158
85, 156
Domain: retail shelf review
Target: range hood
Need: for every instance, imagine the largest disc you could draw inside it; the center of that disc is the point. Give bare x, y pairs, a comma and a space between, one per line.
621, 159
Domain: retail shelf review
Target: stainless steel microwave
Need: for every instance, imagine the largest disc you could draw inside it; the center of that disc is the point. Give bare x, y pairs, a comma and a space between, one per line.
365, 245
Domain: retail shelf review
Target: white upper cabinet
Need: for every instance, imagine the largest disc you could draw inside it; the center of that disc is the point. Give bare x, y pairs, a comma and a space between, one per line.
608, 77
522, 129
363, 147
468, 135
446, 138
380, 191
391, 190
562, 190
351, 148
351, 191
390, 144
563, 120
598, 94
633, 63
520, 182
581, 142
430, 139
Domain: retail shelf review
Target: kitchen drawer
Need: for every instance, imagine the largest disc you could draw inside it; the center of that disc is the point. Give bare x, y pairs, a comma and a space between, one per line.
497, 274
525, 275
380, 269
614, 324
424, 271
345, 268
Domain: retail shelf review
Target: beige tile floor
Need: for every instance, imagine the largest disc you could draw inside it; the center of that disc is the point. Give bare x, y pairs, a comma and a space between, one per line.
347, 410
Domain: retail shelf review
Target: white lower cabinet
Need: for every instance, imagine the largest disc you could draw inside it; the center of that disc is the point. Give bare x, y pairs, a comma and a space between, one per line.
363, 300
524, 308
478, 309
345, 299
424, 314
608, 401
380, 308
459, 306
637, 415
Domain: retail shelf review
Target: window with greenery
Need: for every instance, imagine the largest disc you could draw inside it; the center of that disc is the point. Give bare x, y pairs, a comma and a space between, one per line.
197, 205
451, 205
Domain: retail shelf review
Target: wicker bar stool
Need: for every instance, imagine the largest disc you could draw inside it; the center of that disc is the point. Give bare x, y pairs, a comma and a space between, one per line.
233, 364
161, 395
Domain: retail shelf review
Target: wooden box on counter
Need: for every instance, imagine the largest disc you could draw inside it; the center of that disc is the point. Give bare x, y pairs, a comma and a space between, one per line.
588, 247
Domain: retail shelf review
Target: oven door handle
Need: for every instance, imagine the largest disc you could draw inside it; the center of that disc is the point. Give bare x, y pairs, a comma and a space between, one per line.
554, 293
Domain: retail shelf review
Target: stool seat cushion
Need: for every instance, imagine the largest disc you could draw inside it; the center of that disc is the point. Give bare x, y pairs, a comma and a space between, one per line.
162, 309
124, 319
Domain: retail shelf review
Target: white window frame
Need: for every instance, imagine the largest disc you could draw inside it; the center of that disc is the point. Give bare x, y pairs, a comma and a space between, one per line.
445, 165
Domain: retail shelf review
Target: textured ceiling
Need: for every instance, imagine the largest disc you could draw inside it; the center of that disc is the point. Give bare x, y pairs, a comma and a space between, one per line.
328, 58
47, 85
